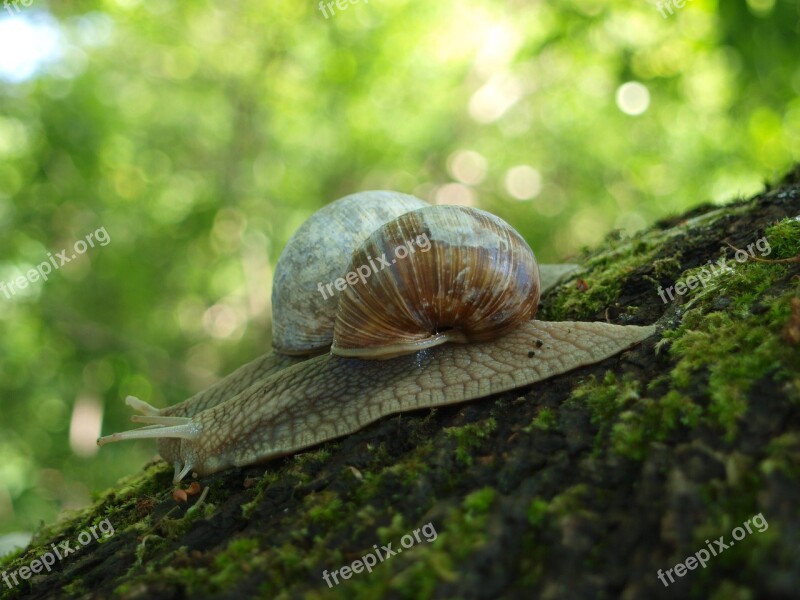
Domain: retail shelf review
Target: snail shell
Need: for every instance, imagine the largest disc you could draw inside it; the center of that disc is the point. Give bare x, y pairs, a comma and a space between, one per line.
318, 253
474, 280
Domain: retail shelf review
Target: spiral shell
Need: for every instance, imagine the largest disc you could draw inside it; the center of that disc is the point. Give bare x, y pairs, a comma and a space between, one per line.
318, 253
477, 280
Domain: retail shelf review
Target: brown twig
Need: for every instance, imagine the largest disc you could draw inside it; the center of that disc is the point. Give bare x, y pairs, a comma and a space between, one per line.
793, 259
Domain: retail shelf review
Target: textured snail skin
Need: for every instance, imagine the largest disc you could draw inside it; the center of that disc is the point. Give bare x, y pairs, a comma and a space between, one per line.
242, 378
329, 396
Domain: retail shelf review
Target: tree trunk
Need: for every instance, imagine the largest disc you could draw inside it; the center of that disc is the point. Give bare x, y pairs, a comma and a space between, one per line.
593, 484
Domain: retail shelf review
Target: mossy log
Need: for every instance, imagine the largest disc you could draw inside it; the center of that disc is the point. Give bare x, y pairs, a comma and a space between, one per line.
583, 486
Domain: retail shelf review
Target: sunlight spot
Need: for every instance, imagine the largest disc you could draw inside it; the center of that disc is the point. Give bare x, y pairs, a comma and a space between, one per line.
223, 321
467, 166
84, 427
491, 101
633, 98
523, 182
498, 49
761, 7
26, 44
455, 193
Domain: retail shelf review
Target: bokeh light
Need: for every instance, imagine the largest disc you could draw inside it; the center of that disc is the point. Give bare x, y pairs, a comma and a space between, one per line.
467, 166
523, 182
633, 98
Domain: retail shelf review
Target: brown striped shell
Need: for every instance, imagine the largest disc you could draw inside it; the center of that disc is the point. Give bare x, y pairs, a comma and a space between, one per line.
317, 254
474, 280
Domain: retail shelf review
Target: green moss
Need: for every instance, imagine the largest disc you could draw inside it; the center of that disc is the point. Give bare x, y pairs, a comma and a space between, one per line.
173, 528
323, 508
312, 458
783, 456
570, 501
545, 420
463, 534
652, 420
117, 504
544, 517
149, 545
604, 399
393, 530
717, 354
237, 557
412, 466
479, 501
604, 273
630, 421
784, 239
280, 564
727, 590
469, 437
269, 477
666, 267
537, 511
736, 507
397, 474
732, 350
75, 588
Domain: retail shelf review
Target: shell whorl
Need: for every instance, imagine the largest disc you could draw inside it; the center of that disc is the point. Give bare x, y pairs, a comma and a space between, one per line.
477, 280
318, 253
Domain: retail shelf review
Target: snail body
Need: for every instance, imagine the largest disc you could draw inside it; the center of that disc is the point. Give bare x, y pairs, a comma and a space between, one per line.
449, 322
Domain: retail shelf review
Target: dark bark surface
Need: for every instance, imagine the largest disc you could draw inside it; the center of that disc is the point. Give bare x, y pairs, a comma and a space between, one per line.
582, 486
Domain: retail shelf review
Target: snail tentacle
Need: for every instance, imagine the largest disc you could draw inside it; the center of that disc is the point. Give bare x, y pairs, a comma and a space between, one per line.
141, 406
187, 429
161, 421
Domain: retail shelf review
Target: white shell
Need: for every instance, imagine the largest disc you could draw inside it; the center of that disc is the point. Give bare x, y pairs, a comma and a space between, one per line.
318, 254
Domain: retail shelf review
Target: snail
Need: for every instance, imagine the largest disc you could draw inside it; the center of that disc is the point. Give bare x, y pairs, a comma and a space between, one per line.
448, 319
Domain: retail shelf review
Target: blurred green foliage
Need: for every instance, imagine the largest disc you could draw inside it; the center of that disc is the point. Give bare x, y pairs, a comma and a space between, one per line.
201, 134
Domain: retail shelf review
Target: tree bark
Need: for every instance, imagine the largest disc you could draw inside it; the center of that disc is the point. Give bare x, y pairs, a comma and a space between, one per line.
586, 485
